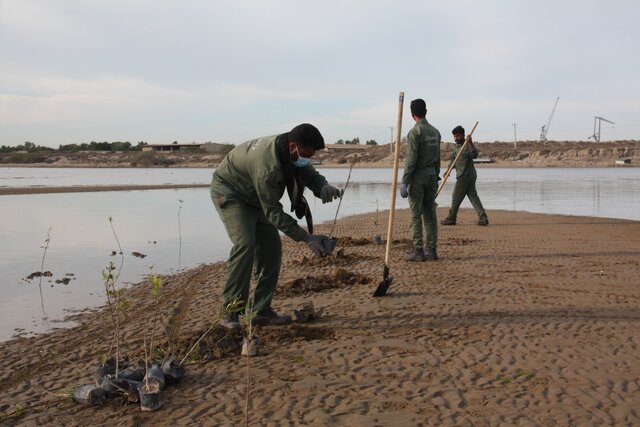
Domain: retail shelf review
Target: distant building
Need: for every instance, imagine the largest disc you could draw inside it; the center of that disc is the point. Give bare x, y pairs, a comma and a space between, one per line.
170, 147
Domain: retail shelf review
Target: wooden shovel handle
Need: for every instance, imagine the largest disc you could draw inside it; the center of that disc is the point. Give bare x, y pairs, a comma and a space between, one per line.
394, 182
446, 175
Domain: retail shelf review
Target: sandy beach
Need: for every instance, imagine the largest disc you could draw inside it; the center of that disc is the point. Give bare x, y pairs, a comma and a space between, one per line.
533, 320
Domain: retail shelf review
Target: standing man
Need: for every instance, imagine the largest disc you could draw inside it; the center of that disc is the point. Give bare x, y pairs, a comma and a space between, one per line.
246, 190
465, 180
420, 182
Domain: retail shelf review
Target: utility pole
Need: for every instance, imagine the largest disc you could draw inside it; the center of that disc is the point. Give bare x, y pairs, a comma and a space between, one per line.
515, 138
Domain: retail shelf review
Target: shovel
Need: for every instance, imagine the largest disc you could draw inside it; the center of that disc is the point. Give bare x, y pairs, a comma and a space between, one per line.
453, 164
382, 288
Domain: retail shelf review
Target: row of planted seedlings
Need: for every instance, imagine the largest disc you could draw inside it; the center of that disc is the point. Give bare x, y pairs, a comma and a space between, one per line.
143, 382
117, 377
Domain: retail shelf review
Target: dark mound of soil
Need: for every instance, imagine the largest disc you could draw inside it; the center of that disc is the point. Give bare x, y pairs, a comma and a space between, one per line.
339, 257
294, 332
338, 279
219, 343
353, 241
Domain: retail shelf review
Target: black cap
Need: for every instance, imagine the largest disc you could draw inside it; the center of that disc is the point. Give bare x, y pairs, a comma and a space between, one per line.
307, 135
419, 107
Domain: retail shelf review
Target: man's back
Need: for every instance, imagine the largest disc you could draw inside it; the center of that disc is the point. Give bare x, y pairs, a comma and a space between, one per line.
423, 152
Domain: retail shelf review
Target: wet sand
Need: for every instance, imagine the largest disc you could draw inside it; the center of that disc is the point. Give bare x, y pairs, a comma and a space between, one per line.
533, 320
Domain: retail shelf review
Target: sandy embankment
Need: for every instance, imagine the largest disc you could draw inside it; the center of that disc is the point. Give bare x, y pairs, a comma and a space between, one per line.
533, 320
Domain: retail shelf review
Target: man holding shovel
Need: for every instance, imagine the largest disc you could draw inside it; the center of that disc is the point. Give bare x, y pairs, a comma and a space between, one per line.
420, 182
246, 190
465, 179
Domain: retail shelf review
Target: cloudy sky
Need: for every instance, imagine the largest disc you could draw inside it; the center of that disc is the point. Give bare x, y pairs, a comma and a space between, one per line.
74, 71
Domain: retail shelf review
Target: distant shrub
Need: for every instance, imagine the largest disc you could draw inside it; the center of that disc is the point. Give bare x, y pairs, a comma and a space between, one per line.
24, 158
149, 158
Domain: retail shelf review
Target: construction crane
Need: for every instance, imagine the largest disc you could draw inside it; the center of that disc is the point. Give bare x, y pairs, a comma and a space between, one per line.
599, 120
545, 128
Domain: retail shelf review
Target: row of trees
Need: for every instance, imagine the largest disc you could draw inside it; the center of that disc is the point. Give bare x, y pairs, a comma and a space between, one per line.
117, 146
30, 147
356, 141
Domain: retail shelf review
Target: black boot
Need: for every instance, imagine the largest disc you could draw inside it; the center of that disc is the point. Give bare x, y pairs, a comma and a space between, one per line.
448, 221
432, 254
415, 255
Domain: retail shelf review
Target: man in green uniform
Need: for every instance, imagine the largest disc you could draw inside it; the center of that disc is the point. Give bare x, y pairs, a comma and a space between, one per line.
420, 182
465, 180
246, 190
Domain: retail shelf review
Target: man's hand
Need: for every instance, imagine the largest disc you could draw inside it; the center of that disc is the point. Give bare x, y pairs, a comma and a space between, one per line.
404, 191
329, 193
316, 243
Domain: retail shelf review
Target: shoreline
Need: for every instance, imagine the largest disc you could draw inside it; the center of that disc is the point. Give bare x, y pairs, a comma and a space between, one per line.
12, 191
377, 165
525, 311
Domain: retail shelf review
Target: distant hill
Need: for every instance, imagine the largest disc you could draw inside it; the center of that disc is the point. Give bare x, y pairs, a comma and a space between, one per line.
525, 154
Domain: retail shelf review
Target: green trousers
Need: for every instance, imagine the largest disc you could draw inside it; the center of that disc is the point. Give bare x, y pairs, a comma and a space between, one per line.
422, 201
466, 187
256, 244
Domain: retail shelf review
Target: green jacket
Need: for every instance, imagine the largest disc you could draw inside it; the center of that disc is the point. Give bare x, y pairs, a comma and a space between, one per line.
423, 152
464, 165
252, 172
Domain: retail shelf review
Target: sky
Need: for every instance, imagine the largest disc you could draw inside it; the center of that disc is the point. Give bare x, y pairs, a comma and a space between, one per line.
158, 71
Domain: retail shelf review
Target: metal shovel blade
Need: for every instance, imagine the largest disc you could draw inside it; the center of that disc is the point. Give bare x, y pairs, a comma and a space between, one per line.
382, 288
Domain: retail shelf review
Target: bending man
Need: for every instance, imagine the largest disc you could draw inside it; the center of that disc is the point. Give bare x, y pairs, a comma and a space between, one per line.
246, 190
465, 180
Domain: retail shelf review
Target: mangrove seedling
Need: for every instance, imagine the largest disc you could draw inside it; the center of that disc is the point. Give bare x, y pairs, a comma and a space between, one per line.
117, 305
45, 246
249, 349
335, 219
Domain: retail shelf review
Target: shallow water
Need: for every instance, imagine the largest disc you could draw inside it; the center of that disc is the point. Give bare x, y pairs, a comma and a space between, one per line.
147, 222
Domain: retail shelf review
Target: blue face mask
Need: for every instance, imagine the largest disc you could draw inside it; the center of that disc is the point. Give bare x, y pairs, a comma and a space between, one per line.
301, 161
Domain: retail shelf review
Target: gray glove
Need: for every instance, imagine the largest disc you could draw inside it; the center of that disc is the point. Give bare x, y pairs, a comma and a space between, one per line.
317, 244
404, 191
329, 193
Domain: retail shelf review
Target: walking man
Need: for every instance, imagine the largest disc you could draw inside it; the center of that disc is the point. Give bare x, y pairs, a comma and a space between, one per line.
246, 190
465, 180
420, 182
